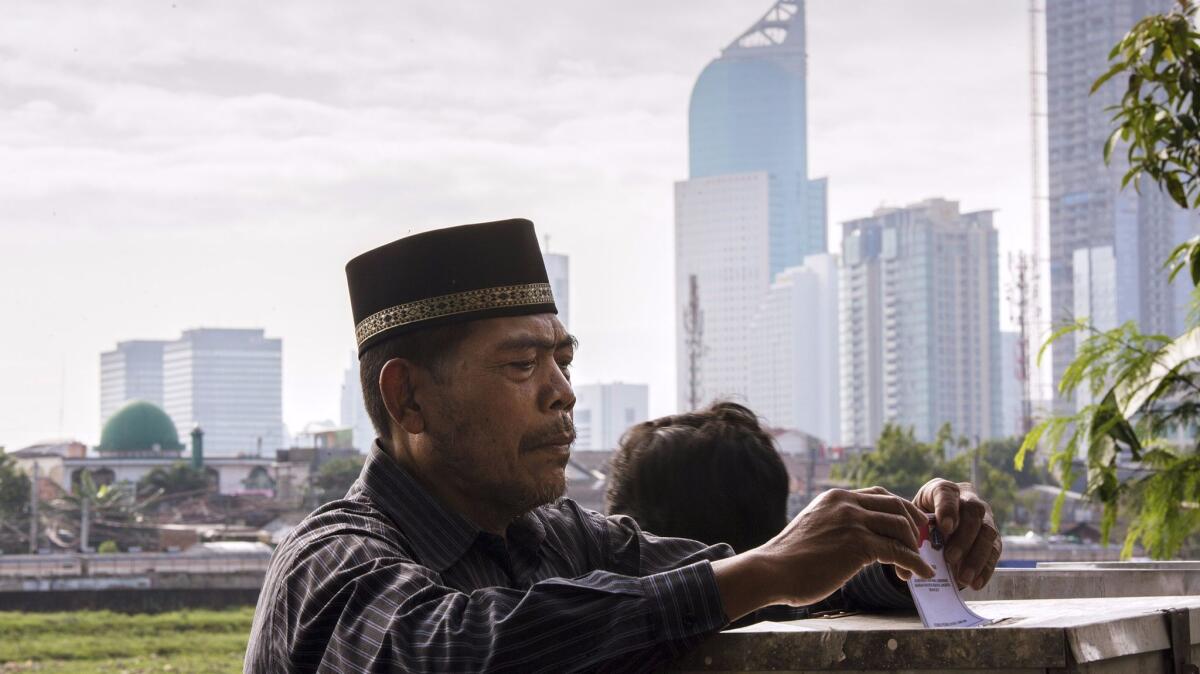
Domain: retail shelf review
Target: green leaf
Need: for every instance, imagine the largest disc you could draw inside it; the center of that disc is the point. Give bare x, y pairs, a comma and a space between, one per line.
1133, 394
1109, 421
1108, 144
1175, 189
1112, 72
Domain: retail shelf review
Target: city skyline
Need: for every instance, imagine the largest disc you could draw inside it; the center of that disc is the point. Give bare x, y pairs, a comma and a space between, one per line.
188, 175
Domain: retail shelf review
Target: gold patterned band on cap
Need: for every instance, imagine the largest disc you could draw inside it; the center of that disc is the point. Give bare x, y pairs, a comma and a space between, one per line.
454, 303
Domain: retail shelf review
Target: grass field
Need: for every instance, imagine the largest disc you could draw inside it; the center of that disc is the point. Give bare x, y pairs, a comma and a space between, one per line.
191, 642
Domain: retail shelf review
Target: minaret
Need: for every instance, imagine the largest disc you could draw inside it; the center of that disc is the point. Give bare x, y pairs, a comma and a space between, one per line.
197, 448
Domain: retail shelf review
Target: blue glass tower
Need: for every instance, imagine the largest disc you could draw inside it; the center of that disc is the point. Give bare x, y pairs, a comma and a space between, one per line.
748, 114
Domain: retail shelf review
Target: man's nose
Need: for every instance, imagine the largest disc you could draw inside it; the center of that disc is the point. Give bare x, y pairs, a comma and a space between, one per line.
560, 395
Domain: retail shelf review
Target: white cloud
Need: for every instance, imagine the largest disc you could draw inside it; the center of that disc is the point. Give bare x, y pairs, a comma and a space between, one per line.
166, 165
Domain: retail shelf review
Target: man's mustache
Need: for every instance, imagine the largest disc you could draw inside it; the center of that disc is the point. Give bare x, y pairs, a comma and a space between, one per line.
560, 433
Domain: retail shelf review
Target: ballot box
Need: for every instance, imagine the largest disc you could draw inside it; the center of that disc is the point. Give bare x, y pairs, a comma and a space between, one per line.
1123, 634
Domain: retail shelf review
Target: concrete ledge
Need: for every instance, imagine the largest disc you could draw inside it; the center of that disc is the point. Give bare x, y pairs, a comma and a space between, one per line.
1071, 582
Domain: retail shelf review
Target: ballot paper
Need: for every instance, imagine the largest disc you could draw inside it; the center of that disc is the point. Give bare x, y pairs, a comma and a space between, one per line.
937, 598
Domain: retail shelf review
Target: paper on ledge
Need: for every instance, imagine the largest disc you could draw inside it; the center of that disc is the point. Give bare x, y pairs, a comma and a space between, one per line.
937, 598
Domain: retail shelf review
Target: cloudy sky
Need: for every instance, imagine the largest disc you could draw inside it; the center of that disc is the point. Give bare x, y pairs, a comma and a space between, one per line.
169, 165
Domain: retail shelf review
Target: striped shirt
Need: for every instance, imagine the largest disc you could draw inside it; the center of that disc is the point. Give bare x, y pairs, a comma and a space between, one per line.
388, 579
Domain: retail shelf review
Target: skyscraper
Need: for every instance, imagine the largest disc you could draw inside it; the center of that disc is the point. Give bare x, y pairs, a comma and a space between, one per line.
748, 210
748, 113
920, 323
1120, 232
230, 383
132, 371
794, 367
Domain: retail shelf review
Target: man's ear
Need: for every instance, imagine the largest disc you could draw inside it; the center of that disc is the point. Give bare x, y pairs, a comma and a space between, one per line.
398, 381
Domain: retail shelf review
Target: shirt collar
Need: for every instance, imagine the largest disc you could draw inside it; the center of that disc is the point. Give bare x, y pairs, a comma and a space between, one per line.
439, 535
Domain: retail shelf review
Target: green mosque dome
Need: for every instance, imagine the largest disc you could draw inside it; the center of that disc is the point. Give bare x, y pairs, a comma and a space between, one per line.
138, 427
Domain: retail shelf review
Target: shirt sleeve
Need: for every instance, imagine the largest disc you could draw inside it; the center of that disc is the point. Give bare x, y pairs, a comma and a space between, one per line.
876, 587
363, 607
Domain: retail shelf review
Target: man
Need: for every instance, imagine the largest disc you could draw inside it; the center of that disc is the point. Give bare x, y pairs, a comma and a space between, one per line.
453, 550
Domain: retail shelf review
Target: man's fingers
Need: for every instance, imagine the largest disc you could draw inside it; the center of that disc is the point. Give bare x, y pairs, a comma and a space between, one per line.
892, 551
988, 568
893, 526
871, 490
959, 545
886, 502
945, 507
977, 557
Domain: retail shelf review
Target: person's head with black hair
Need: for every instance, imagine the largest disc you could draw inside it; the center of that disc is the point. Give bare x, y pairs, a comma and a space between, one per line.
713, 475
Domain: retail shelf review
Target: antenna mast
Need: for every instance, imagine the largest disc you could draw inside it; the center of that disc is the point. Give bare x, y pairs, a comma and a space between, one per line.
693, 328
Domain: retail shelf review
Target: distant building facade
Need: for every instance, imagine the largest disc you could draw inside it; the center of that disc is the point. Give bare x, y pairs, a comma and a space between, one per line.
354, 410
1127, 234
1012, 389
132, 371
794, 380
920, 329
558, 269
722, 239
230, 383
748, 210
603, 412
749, 113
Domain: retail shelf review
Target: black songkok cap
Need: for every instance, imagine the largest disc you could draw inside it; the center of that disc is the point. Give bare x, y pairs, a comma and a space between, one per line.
450, 275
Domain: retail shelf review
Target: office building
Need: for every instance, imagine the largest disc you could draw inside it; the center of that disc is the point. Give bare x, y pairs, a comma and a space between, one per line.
132, 371
603, 412
748, 210
1012, 389
230, 383
748, 114
794, 365
920, 330
1126, 234
721, 241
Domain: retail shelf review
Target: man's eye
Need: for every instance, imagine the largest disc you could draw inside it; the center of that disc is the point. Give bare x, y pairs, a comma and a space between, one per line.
525, 365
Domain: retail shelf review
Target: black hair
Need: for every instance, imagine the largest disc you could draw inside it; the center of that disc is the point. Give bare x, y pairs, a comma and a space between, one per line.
713, 475
426, 348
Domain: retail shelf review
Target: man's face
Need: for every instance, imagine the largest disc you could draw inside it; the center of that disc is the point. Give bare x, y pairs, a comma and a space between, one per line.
499, 415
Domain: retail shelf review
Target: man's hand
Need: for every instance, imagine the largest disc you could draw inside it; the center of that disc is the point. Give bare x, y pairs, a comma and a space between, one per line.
838, 534
973, 544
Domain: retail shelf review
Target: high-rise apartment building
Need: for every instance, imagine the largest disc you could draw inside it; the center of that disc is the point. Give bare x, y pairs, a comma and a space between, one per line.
748, 210
132, 371
794, 365
603, 412
920, 323
230, 383
1125, 237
